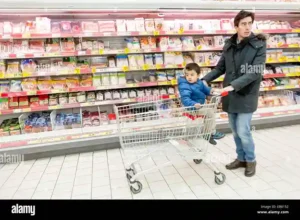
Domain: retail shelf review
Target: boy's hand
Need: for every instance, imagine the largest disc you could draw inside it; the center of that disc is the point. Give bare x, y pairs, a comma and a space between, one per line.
197, 105
215, 91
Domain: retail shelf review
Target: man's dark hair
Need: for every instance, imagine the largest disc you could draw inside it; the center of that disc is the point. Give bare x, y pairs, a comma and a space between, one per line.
193, 66
241, 15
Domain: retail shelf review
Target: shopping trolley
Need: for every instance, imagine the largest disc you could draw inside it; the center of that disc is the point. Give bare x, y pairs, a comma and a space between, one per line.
165, 126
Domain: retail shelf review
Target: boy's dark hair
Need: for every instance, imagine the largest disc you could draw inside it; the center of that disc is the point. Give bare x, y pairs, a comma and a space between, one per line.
241, 15
193, 66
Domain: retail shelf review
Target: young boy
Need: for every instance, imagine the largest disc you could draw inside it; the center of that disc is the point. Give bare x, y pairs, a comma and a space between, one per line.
193, 92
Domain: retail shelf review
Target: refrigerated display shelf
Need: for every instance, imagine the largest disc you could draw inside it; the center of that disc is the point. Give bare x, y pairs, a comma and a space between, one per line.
110, 130
137, 33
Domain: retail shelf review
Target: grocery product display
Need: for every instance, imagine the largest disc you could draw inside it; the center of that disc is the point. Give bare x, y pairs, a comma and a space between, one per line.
57, 74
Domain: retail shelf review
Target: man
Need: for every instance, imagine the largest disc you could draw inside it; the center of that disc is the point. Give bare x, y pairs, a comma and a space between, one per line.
243, 61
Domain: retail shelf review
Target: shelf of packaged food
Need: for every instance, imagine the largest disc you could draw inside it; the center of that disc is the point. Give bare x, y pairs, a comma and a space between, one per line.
267, 112
137, 33
103, 52
110, 130
274, 88
268, 76
85, 89
86, 104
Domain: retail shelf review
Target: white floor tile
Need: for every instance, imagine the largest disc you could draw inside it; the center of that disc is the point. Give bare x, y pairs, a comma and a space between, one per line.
236, 183
117, 174
179, 188
62, 188
121, 193
167, 194
8, 193
100, 181
52, 169
65, 195
82, 197
144, 194
282, 186
82, 189
100, 166
194, 180
119, 183
185, 172
29, 184
154, 177
12, 182
81, 180
66, 179
270, 194
101, 191
159, 186
268, 176
173, 178
202, 190
84, 172
168, 170
248, 193
47, 186
24, 194
259, 184
42, 195
186, 195
100, 173
208, 197
49, 177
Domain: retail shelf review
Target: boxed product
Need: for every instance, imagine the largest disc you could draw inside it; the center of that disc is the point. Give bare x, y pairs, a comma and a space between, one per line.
149, 24
139, 24
89, 26
106, 26
121, 25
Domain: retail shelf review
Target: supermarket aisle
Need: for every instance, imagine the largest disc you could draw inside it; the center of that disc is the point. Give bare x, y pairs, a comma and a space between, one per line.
101, 175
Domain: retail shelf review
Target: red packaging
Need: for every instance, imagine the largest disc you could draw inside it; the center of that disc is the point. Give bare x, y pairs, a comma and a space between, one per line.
34, 101
76, 27
23, 102
43, 100
13, 102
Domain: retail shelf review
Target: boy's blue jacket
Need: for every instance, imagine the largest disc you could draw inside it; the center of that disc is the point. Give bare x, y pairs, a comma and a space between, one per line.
192, 93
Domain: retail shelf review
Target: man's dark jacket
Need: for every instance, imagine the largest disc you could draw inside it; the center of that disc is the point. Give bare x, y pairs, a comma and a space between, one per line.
243, 64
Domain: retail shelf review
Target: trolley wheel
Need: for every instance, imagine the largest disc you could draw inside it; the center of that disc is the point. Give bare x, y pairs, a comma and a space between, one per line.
128, 170
138, 190
220, 178
128, 176
196, 161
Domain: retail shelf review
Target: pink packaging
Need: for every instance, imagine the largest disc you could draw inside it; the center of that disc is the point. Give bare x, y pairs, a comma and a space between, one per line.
140, 24
107, 26
76, 27
65, 27
36, 46
1, 28
55, 27
89, 26
149, 25
121, 25
130, 25
43, 25
7, 27
226, 24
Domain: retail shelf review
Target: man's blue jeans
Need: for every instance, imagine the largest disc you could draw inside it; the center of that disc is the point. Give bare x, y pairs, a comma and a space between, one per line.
240, 124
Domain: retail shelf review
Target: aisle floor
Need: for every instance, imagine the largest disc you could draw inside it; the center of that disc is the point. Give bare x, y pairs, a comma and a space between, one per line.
101, 174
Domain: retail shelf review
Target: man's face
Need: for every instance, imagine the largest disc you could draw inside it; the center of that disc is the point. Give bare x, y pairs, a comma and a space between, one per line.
245, 27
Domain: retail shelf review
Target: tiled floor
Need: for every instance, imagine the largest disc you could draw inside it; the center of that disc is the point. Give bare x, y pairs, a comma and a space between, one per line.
101, 175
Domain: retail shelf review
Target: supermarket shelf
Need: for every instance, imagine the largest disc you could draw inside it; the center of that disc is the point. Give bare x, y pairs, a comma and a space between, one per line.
86, 89
137, 33
274, 88
72, 140
102, 52
87, 104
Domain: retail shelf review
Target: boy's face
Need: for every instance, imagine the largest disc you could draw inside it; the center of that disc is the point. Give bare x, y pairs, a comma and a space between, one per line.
191, 76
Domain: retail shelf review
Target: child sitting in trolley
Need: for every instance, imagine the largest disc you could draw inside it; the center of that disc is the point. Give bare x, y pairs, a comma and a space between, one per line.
193, 93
